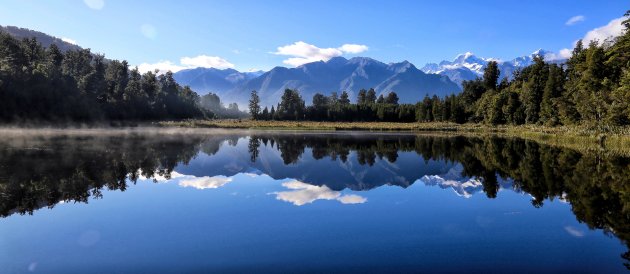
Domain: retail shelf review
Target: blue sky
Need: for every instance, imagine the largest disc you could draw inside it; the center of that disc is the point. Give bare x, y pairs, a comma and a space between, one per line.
248, 34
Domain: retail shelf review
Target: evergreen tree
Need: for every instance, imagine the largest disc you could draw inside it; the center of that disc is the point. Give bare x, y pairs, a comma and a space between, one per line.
254, 105
265, 114
361, 97
370, 97
533, 89
344, 99
491, 75
554, 88
380, 100
392, 98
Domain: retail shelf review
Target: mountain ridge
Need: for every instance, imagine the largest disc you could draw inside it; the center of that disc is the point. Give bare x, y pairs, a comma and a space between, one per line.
467, 66
336, 75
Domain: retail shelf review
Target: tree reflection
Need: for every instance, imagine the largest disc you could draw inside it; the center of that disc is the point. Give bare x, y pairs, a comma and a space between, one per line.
41, 172
597, 186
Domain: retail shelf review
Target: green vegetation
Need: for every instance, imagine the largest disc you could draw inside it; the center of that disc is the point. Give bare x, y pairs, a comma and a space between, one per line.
613, 140
592, 89
46, 84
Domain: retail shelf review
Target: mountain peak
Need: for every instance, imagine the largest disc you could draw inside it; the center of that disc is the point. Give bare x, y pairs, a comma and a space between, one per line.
337, 59
466, 55
540, 52
362, 60
401, 67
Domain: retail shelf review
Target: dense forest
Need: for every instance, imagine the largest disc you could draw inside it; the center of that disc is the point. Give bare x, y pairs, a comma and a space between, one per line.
592, 88
47, 84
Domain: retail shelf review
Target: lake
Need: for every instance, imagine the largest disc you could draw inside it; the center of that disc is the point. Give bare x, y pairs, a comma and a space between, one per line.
243, 201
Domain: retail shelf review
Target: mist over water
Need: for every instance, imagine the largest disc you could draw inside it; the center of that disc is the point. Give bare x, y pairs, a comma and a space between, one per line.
181, 201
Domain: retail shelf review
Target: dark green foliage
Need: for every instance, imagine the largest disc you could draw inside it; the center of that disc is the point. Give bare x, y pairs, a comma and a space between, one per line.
40, 84
392, 98
370, 97
344, 99
491, 76
592, 87
362, 97
291, 106
554, 88
254, 105
534, 80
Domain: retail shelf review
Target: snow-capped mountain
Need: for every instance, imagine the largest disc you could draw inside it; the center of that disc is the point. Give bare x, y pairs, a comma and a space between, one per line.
463, 186
467, 66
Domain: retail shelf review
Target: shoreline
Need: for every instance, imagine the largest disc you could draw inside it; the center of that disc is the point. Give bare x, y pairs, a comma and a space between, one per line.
609, 140
613, 141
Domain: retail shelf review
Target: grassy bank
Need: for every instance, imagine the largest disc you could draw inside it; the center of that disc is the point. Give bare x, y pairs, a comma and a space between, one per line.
583, 138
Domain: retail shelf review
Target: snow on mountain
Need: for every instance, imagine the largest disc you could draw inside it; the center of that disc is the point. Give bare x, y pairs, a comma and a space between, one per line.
462, 186
467, 66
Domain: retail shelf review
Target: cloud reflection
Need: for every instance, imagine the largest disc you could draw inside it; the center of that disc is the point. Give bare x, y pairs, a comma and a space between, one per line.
575, 232
204, 182
302, 193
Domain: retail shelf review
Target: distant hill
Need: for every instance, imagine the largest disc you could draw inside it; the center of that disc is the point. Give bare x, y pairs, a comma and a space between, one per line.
337, 74
45, 39
206, 80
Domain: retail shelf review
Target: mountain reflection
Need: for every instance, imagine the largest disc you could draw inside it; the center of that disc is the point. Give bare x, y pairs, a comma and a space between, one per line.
37, 172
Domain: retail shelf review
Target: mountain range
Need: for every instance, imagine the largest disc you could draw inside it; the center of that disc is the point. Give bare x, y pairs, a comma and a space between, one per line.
337, 74
467, 66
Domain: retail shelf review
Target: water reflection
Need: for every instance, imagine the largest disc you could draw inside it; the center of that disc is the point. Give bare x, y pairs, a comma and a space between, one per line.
39, 172
303, 193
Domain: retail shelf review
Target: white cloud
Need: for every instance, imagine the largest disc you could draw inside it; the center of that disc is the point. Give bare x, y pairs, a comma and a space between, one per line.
574, 231
561, 55
303, 53
204, 182
162, 66
353, 48
159, 178
302, 193
352, 199
68, 40
613, 29
574, 20
203, 61
184, 180
95, 4
206, 61
148, 31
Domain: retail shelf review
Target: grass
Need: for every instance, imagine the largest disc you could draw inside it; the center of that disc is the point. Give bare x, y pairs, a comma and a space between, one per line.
608, 140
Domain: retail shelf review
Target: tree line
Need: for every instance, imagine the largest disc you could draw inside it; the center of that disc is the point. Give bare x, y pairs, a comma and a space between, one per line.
335, 107
46, 84
592, 88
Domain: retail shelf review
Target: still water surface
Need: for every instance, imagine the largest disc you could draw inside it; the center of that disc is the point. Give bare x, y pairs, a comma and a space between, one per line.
255, 201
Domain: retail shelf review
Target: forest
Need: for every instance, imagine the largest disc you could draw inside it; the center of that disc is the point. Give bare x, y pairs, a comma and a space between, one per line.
592, 88
50, 85
40, 84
